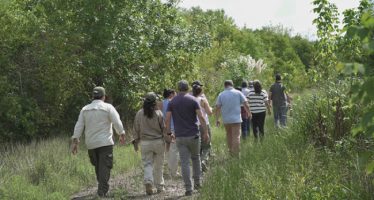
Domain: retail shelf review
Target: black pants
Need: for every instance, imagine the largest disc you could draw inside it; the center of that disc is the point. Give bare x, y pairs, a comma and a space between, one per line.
258, 122
102, 159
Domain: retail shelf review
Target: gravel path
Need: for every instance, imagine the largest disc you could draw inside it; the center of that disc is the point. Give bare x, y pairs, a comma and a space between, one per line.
130, 186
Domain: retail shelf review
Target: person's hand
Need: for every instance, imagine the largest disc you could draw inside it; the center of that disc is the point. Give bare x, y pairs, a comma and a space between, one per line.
74, 147
136, 145
122, 139
249, 115
218, 123
206, 137
172, 138
269, 111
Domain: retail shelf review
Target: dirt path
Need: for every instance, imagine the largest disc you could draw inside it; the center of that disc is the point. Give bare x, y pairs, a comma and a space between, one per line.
130, 186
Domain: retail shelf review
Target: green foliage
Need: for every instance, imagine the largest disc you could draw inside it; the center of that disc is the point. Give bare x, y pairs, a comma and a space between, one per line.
47, 170
283, 166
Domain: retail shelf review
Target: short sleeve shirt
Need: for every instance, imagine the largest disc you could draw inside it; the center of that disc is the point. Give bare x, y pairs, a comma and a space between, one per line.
278, 95
230, 101
183, 110
257, 101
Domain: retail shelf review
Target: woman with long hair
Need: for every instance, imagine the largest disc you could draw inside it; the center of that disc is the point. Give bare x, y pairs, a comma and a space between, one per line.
172, 150
149, 132
206, 110
258, 102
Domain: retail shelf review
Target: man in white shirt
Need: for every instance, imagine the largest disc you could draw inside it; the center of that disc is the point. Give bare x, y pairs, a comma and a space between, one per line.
96, 121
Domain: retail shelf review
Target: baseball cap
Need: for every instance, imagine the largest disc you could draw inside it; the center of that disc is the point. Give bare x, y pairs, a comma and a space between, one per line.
150, 97
183, 85
98, 92
196, 83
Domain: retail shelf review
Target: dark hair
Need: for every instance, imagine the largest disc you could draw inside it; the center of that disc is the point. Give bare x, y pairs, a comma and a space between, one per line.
97, 97
167, 93
257, 86
149, 108
228, 83
278, 77
244, 84
196, 90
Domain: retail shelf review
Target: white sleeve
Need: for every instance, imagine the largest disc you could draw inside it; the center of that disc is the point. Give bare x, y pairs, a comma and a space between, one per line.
115, 119
79, 126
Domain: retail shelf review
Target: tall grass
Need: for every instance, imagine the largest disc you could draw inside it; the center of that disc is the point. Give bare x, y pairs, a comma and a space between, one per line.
283, 166
47, 169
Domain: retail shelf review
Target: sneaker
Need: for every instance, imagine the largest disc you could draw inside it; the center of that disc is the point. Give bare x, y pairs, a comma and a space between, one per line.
188, 193
161, 189
204, 168
148, 189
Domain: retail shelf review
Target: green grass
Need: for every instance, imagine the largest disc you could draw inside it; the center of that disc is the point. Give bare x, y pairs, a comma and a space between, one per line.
47, 169
283, 166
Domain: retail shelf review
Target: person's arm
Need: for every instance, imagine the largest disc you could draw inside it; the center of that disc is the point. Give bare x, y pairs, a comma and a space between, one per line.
203, 124
136, 133
207, 107
78, 130
266, 100
247, 109
117, 124
218, 114
269, 98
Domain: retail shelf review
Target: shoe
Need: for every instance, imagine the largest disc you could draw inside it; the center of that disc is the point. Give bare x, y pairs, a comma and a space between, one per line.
149, 189
204, 167
188, 193
197, 186
161, 189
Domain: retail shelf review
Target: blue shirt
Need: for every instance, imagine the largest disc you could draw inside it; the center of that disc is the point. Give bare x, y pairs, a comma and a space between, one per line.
165, 104
183, 110
230, 101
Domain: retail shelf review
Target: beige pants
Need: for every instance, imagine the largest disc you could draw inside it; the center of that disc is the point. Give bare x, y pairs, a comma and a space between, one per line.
153, 152
233, 138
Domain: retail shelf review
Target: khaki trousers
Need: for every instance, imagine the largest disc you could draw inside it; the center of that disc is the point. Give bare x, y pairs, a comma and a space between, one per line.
233, 138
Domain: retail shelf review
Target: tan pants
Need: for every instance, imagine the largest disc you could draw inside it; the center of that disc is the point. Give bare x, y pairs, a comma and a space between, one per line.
153, 158
233, 138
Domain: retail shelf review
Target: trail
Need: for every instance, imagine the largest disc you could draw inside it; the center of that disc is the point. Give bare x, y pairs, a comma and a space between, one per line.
130, 186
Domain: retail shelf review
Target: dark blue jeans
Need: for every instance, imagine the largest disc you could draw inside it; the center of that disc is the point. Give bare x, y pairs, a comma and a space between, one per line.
246, 124
280, 115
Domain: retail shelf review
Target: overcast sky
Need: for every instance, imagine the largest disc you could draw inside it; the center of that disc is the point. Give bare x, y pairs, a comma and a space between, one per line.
294, 14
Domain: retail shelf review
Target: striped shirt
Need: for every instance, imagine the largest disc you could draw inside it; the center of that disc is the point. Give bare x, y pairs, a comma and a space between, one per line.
257, 101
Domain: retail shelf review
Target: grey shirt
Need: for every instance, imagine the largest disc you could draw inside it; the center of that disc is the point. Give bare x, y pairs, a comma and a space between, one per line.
278, 95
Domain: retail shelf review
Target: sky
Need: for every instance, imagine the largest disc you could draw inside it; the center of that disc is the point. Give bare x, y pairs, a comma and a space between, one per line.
295, 14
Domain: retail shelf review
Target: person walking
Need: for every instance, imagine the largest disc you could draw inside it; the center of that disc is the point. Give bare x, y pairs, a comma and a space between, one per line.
197, 91
172, 151
149, 132
96, 121
258, 102
228, 105
278, 100
184, 110
245, 118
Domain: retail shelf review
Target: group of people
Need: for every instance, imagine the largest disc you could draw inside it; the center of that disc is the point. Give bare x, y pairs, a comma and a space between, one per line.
177, 125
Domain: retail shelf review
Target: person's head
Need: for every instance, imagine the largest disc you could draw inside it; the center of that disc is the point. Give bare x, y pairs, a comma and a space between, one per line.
149, 104
98, 93
278, 78
257, 86
250, 84
168, 93
244, 84
183, 86
228, 83
197, 90
196, 83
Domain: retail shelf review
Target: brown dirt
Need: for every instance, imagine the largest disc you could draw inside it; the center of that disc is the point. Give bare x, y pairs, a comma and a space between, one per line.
130, 186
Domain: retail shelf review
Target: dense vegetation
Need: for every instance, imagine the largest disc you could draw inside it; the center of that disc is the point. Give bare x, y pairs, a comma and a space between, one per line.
52, 53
